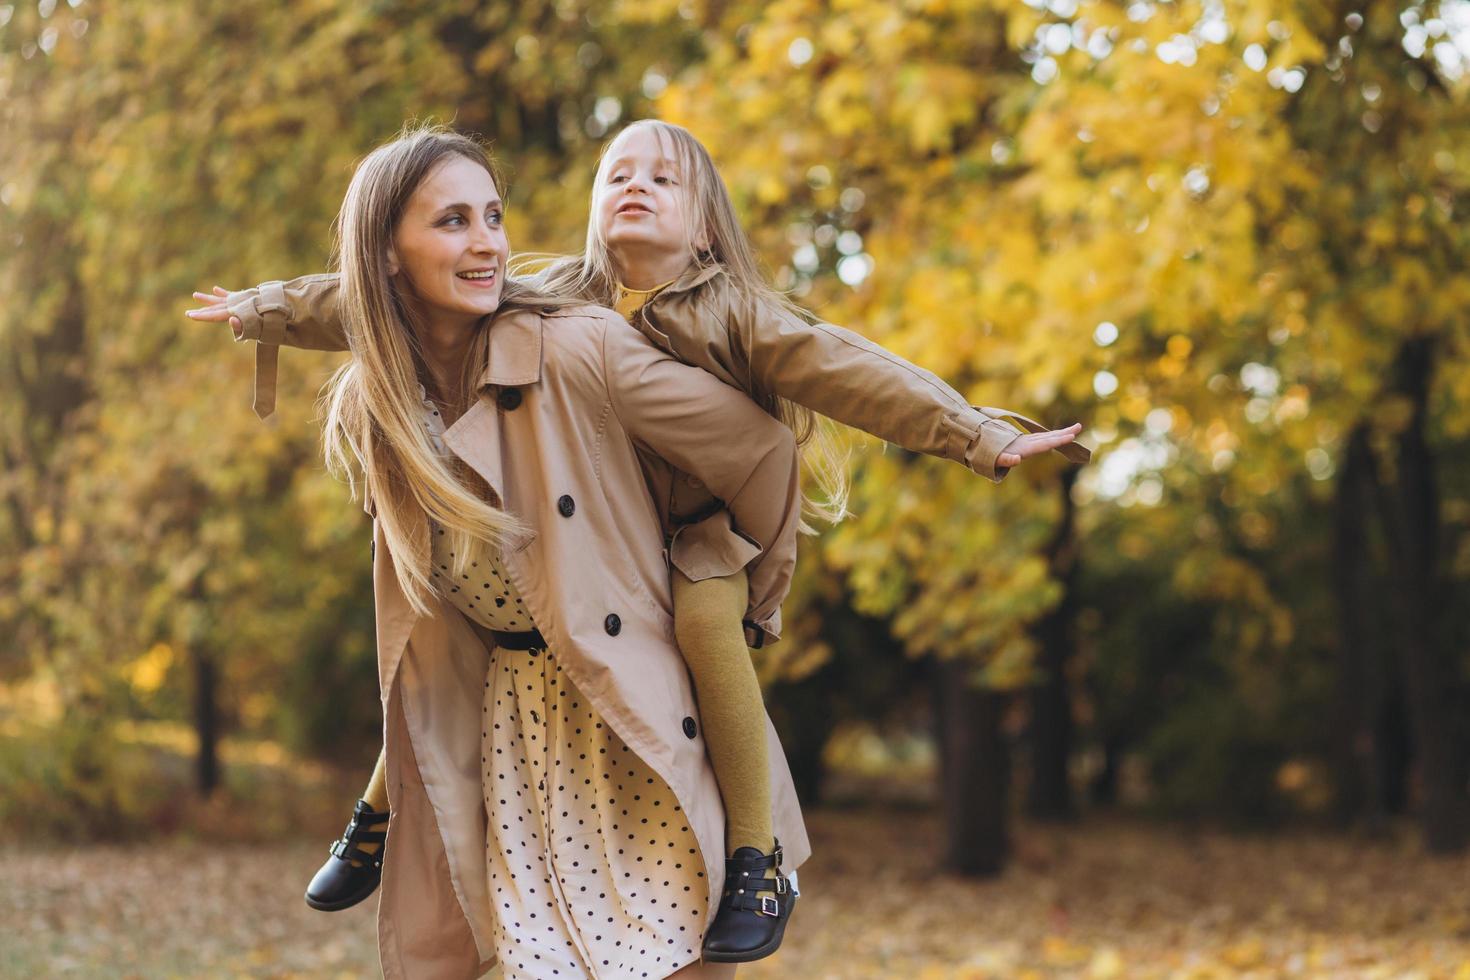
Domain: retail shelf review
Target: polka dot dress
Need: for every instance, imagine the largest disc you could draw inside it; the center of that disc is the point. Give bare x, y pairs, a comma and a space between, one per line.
593, 870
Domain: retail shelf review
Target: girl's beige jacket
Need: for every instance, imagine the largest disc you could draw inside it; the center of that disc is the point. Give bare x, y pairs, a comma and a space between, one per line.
578, 416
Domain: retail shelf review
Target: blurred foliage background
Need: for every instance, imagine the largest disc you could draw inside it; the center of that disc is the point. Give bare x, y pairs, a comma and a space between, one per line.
1228, 236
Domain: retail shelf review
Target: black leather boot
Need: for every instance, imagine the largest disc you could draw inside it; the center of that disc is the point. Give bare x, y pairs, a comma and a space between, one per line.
749, 926
351, 874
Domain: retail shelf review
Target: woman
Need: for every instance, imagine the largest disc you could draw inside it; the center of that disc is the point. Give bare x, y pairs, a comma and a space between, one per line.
552, 804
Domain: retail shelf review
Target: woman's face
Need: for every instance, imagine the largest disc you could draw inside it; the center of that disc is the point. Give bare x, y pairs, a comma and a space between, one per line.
449, 250
640, 201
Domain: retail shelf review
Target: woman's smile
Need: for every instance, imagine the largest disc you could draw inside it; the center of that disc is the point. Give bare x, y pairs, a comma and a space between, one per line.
479, 278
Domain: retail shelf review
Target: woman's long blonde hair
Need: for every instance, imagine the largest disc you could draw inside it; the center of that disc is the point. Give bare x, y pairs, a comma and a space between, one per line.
711, 216
373, 408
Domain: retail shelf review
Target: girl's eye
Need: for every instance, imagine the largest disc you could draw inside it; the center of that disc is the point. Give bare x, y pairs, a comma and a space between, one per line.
496, 218
617, 179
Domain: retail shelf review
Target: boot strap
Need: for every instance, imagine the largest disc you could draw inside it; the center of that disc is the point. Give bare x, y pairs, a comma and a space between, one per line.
362, 813
343, 848
772, 860
750, 902
356, 835
363, 817
750, 883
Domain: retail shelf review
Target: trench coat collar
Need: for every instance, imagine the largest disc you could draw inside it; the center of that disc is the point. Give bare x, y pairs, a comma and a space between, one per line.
694, 276
515, 349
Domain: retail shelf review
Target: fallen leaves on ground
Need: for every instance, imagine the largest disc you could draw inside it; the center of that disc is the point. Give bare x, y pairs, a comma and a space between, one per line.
1104, 899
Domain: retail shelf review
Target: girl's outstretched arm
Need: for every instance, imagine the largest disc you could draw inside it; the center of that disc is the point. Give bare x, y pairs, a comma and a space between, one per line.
298, 313
840, 374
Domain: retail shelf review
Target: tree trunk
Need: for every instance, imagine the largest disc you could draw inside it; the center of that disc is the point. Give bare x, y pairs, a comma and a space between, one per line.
206, 723
1103, 790
1049, 795
1396, 747
1430, 676
974, 771
1358, 755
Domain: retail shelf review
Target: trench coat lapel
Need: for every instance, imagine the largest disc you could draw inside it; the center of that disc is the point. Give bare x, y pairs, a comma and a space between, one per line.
514, 361
475, 438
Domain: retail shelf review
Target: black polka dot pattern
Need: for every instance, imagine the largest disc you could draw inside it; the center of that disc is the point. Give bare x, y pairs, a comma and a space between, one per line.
482, 591
593, 870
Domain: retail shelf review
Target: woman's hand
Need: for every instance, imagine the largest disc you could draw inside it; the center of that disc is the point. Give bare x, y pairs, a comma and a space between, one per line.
215, 310
1034, 444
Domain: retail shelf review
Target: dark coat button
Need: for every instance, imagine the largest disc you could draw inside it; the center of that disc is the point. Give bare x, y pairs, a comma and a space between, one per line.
510, 399
690, 728
612, 624
566, 505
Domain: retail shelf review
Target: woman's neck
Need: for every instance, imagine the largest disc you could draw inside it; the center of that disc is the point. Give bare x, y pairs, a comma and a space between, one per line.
445, 342
640, 270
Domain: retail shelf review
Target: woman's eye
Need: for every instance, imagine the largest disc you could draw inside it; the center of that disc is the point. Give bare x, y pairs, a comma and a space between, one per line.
452, 218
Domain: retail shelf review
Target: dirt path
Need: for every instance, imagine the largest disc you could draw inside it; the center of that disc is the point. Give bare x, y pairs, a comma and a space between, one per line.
1106, 900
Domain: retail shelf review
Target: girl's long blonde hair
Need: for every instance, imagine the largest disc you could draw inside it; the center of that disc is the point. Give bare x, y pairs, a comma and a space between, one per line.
710, 215
373, 408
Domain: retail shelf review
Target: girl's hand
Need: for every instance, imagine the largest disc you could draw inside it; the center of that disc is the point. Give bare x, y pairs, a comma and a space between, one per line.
1036, 443
215, 310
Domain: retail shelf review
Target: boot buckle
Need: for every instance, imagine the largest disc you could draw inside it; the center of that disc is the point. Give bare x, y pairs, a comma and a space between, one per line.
774, 910
780, 884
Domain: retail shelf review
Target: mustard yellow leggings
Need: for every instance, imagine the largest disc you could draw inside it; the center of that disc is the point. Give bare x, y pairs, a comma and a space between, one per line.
707, 624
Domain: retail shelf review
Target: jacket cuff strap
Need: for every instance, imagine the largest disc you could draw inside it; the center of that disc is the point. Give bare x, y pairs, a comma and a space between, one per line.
755, 637
758, 635
272, 312
266, 356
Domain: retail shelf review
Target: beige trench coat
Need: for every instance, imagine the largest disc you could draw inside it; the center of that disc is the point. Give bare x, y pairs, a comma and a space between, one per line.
750, 344
575, 404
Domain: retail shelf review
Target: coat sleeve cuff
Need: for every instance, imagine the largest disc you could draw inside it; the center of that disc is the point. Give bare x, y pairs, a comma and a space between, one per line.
263, 313
758, 634
977, 441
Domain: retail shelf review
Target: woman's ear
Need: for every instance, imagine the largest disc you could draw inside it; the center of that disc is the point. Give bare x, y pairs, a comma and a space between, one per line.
701, 239
392, 261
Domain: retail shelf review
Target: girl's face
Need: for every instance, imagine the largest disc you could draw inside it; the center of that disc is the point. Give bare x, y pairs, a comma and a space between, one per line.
641, 201
449, 250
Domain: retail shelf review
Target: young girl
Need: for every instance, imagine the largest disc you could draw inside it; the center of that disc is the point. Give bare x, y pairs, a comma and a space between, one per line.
664, 248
